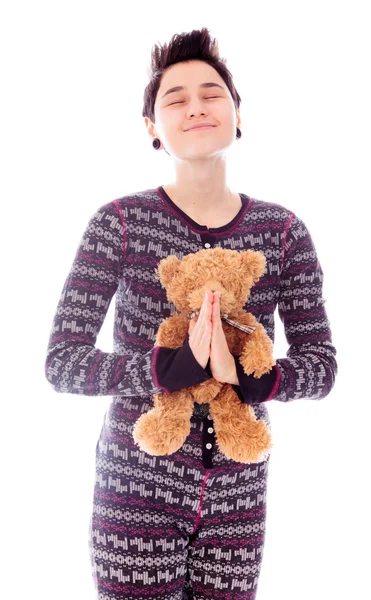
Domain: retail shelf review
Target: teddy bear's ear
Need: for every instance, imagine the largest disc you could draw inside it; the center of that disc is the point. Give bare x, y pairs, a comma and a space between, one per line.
167, 268
254, 263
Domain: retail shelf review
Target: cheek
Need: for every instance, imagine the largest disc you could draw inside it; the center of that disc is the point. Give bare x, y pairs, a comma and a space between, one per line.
245, 294
171, 131
231, 124
227, 128
226, 112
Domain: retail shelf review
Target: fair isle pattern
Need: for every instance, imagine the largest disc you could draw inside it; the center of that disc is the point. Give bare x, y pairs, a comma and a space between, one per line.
163, 528
118, 253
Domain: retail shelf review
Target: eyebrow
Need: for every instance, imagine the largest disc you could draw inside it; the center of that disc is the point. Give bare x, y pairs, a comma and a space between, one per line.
180, 88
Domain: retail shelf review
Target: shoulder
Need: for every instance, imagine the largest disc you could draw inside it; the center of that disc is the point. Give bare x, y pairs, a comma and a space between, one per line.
269, 211
120, 206
274, 211
141, 198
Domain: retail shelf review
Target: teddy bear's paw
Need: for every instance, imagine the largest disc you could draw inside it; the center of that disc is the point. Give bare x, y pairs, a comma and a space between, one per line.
157, 435
250, 443
206, 391
263, 369
255, 365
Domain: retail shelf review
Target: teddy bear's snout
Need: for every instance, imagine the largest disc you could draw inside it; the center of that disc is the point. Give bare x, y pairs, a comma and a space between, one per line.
195, 297
214, 286
226, 300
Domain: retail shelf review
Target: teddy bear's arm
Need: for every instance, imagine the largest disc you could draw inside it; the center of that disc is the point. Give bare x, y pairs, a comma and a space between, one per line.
172, 331
257, 347
236, 337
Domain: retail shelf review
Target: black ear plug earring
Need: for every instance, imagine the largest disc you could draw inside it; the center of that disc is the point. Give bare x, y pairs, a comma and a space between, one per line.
156, 142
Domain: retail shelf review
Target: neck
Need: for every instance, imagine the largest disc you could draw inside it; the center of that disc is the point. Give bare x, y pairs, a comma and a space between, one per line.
202, 184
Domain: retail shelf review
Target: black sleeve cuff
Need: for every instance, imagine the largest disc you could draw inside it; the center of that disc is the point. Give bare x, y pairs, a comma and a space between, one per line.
177, 368
252, 390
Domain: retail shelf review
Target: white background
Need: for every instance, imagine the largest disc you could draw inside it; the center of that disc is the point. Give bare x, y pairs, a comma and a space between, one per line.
72, 139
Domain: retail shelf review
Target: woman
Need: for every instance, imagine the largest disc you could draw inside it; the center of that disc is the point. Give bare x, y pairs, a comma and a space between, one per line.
190, 524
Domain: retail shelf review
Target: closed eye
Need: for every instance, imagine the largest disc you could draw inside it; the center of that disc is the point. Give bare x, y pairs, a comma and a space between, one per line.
180, 101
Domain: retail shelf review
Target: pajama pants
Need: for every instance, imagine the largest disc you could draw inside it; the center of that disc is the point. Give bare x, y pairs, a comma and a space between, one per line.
166, 527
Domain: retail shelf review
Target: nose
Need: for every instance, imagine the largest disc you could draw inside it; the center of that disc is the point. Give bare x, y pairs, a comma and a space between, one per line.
214, 287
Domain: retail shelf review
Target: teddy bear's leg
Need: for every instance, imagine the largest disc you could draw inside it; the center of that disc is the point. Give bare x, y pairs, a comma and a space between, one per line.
164, 429
257, 354
239, 435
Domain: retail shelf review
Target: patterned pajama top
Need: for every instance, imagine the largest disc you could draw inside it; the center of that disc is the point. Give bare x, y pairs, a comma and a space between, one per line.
118, 253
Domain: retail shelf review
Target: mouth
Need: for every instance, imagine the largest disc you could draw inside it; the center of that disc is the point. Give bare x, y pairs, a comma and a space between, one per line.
201, 127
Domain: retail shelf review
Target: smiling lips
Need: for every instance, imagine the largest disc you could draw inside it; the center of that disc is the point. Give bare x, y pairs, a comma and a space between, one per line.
198, 128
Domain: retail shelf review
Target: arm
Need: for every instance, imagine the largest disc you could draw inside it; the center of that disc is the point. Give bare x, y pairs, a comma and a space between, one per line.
252, 390
310, 369
73, 364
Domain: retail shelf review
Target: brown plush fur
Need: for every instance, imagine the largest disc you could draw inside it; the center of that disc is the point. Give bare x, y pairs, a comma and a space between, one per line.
164, 429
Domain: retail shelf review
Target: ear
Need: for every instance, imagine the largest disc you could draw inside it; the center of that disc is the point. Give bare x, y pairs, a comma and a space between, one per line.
167, 268
254, 263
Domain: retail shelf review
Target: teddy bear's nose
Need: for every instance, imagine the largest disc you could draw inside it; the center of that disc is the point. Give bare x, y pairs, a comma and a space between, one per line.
214, 286
215, 289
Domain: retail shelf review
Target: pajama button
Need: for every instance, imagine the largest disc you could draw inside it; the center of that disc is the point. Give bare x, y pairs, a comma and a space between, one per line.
209, 417
208, 446
207, 245
210, 430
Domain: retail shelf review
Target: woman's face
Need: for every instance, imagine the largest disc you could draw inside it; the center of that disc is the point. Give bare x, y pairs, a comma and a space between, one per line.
177, 111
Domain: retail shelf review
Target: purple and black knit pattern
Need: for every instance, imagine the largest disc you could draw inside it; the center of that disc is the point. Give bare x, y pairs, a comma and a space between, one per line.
190, 525
166, 528
118, 253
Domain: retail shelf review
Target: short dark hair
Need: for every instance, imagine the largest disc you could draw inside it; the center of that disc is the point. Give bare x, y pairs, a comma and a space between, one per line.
196, 45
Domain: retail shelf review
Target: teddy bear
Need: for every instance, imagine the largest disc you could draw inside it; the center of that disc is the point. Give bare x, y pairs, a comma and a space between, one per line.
239, 435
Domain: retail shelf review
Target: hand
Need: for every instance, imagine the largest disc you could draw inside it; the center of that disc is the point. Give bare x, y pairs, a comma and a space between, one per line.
222, 363
200, 331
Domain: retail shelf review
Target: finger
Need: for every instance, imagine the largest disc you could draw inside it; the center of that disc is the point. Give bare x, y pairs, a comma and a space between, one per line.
202, 335
200, 323
193, 322
217, 332
205, 312
216, 308
206, 323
